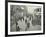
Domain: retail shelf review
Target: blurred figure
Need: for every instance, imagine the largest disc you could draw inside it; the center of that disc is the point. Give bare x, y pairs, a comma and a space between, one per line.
22, 25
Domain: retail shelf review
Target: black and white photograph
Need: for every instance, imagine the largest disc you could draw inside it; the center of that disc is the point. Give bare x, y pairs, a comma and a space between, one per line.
24, 18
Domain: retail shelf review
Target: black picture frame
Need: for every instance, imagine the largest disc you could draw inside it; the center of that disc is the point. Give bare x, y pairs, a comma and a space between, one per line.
6, 18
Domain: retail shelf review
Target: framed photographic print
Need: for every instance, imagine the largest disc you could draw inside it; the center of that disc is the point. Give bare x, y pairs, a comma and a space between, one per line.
24, 18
